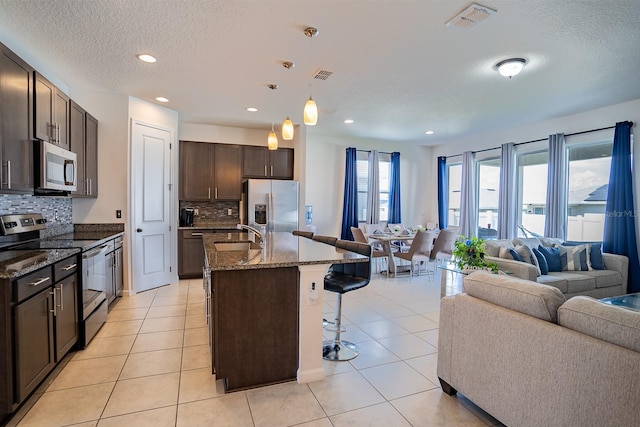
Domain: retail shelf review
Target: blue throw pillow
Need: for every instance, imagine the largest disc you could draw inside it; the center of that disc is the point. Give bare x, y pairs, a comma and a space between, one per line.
542, 261
595, 253
515, 255
552, 256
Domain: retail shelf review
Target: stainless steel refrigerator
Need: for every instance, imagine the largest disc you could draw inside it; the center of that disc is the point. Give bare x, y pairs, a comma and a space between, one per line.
271, 202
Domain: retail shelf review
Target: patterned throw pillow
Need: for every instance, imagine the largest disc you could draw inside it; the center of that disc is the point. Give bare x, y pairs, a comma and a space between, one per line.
573, 258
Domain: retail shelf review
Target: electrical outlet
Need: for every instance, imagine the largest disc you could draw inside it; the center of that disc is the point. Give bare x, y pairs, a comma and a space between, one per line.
118, 213
196, 211
229, 211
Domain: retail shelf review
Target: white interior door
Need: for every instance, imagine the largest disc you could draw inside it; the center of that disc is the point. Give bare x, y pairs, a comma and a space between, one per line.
151, 203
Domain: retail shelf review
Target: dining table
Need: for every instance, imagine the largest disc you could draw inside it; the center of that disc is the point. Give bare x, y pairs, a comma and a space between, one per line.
385, 240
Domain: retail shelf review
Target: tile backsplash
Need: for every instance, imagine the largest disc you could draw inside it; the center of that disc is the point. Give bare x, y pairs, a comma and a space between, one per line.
213, 210
56, 210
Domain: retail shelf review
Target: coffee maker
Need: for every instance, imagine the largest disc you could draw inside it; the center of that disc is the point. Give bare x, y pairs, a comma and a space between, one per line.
186, 217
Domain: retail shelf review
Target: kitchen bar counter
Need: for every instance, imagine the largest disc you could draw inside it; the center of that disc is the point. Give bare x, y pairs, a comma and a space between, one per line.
280, 250
264, 307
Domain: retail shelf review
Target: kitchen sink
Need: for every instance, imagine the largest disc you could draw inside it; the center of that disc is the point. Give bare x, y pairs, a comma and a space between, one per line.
237, 246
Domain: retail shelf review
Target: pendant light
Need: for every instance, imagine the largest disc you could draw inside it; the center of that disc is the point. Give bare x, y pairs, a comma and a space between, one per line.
287, 129
310, 112
272, 140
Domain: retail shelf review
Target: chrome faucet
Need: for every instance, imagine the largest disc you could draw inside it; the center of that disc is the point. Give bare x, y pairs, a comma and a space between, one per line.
260, 234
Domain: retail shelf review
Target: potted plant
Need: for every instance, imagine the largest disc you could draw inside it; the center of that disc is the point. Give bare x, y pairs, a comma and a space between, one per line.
469, 255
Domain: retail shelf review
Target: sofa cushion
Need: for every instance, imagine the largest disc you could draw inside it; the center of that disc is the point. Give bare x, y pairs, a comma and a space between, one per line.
555, 281
552, 255
550, 241
526, 255
609, 323
542, 261
492, 247
605, 278
573, 258
576, 281
521, 295
532, 242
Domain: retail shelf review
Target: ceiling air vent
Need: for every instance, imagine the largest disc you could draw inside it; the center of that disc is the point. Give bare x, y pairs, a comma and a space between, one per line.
322, 74
469, 17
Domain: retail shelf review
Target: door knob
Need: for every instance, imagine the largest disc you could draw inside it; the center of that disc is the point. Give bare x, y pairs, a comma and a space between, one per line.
139, 230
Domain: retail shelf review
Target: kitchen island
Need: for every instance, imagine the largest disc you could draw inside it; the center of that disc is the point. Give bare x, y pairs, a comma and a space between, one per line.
264, 307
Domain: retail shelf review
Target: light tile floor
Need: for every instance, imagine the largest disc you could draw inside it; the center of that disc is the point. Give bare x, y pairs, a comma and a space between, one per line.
149, 366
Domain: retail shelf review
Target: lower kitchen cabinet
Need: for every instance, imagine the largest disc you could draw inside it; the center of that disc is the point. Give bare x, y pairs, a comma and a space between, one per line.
39, 324
190, 254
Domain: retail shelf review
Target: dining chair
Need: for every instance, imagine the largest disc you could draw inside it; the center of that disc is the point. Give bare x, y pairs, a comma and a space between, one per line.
443, 246
419, 251
359, 237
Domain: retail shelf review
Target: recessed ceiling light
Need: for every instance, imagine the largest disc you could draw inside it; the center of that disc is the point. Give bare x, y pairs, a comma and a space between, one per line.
251, 109
429, 132
348, 121
145, 57
162, 99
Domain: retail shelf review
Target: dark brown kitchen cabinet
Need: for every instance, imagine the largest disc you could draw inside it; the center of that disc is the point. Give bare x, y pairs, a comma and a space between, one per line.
190, 254
66, 315
227, 171
34, 342
16, 125
210, 171
260, 162
196, 170
83, 140
51, 119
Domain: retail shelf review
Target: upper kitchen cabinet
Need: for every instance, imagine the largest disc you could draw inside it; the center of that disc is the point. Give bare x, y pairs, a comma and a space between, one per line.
16, 113
260, 162
227, 171
210, 171
83, 140
52, 111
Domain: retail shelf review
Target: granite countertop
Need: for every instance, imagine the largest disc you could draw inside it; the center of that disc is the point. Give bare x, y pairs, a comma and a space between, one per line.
212, 225
90, 235
281, 250
18, 263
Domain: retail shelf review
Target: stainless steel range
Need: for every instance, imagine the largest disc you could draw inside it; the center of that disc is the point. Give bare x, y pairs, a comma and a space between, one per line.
21, 233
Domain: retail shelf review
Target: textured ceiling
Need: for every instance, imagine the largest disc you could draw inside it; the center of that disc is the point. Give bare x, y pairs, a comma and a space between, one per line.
397, 69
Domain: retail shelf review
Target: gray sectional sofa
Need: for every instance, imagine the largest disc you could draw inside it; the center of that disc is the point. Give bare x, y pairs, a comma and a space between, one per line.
596, 283
520, 352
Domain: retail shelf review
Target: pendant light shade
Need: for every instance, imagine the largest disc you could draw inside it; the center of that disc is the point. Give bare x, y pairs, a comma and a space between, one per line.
272, 141
310, 112
287, 129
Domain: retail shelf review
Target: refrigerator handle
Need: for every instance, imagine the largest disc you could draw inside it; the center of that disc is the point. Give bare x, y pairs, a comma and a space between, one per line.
270, 219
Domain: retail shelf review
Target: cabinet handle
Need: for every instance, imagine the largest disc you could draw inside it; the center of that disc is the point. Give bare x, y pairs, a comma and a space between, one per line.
271, 170
90, 187
196, 234
50, 133
61, 298
58, 133
55, 313
8, 175
69, 267
265, 170
216, 193
39, 282
209, 193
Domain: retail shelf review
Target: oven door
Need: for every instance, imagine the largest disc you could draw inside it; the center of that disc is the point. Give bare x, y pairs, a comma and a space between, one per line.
94, 279
58, 168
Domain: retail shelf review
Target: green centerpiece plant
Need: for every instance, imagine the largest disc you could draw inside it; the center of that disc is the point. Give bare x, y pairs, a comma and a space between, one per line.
468, 254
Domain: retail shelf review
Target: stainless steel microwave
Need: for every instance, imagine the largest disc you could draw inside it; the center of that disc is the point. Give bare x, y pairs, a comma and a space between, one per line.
56, 168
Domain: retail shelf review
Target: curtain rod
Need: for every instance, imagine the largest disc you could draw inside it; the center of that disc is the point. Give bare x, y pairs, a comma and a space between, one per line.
368, 151
537, 140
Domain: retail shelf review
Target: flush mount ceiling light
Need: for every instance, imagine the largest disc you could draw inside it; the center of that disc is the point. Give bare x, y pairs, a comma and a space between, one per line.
510, 67
251, 109
145, 57
348, 121
429, 132
162, 99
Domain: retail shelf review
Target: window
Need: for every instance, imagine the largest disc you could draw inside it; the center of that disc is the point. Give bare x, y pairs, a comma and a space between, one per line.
384, 173
532, 192
589, 166
454, 184
488, 185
